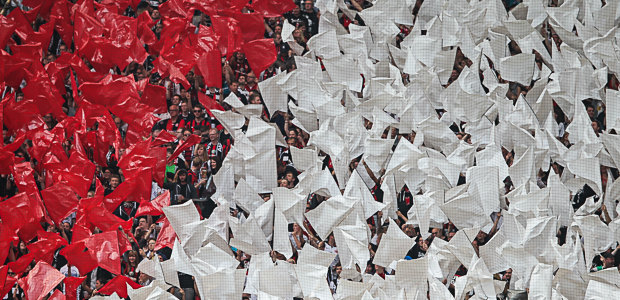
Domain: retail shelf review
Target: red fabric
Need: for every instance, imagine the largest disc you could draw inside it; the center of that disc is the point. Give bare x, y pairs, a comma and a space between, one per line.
191, 141
229, 32
272, 8
210, 66
45, 247
209, 103
167, 236
119, 285
71, 285
19, 266
77, 256
6, 283
57, 295
40, 281
60, 201
252, 25
155, 96
7, 27
260, 54
104, 249
165, 68
18, 215
136, 187
155, 206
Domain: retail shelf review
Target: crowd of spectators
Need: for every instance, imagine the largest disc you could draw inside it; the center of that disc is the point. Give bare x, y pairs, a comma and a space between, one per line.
198, 145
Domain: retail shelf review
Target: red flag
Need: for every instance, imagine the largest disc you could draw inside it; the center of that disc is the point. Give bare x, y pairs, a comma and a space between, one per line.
7, 237
260, 54
165, 69
40, 281
7, 28
60, 201
182, 57
155, 96
71, 285
191, 141
80, 232
6, 282
100, 217
103, 248
133, 189
229, 32
19, 266
209, 103
155, 206
272, 8
167, 236
45, 247
77, 256
17, 214
210, 66
174, 9
119, 285
252, 25
164, 137
57, 295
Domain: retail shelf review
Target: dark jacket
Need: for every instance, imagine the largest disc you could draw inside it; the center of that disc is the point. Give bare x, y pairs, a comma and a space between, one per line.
187, 190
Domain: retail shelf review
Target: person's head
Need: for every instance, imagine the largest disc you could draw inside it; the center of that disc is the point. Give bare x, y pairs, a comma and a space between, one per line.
242, 80
481, 237
19, 97
90, 194
240, 56
290, 176
338, 269
107, 174
158, 28
215, 164
200, 150
214, 134
182, 176
409, 230
100, 283
151, 244
176, 99
278, 30
66, 226
608, 260
296, 11
186, 134
143, 224
183, 92
173, 110
184, 107
451, 235
63, 48
291, 141
283, 183
234, 86
308, 6
596, 126
132, 257
197, 162
251, 78
115, 180
255, 99
591, 111
155, 15
198, 112
507, 275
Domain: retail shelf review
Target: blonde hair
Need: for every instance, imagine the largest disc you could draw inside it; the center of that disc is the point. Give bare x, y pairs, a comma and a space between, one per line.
204, 153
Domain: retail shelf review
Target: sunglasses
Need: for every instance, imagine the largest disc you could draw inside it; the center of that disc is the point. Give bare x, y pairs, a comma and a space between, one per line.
198, 111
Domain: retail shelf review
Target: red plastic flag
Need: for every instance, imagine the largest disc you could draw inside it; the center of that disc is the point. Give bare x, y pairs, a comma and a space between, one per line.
231, 39
103, 248
210, 66
57, 295
209, 103
165, 69
60, 200
252, 25
18, 215
191, 141
175, 9
40, 281
6, 282
77, 256
133, 189
7, 28
167, 236
155, 96
46, 245
155, 206
119, 285
272, 8
260, 54
100, 217
71, 286
19, 266
164, 137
